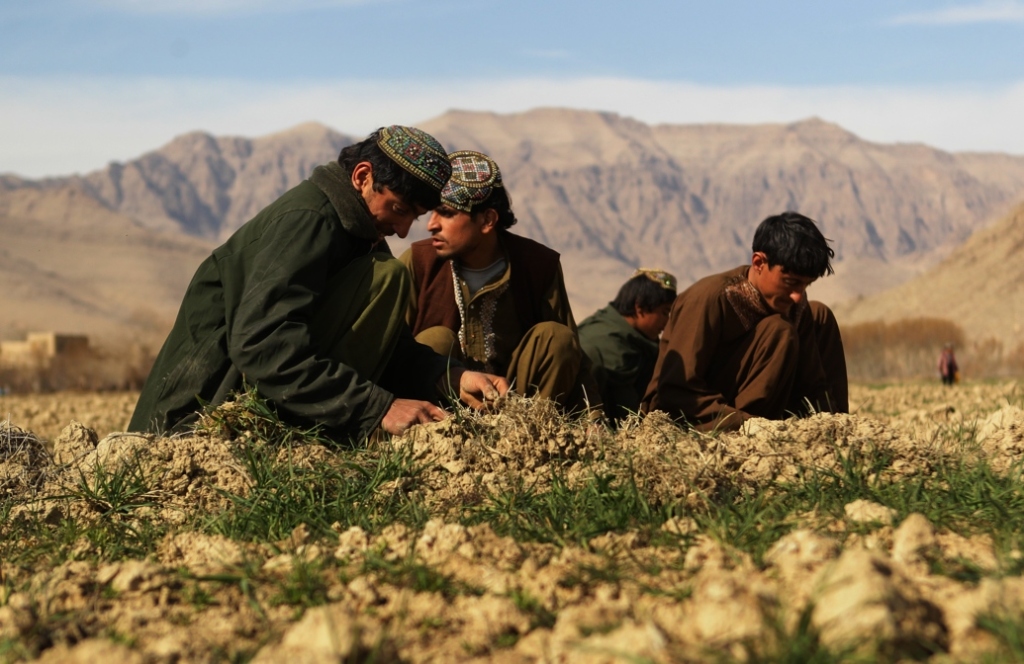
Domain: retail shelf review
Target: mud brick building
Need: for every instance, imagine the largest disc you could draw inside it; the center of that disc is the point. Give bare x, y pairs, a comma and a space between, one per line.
41, 348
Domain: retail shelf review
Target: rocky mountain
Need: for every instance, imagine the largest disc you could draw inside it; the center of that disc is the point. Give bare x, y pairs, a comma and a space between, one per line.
608, 192
206, 186
980, 286
614, 193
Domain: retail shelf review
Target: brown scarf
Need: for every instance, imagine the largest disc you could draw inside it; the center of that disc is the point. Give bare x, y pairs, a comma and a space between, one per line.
748, 304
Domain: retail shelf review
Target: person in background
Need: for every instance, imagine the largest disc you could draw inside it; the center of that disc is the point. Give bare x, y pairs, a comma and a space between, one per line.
747, 343
949, 372
306, 303
621, 339
491, 299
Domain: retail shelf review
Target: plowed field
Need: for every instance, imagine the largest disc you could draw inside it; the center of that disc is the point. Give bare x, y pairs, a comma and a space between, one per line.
891, 534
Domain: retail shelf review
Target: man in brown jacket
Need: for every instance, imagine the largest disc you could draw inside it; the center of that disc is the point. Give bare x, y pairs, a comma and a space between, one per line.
491, 299
747, 343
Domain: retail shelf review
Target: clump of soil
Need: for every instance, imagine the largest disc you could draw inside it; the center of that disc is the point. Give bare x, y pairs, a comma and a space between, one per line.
530, 440
524, 443
1001, 436
84, 478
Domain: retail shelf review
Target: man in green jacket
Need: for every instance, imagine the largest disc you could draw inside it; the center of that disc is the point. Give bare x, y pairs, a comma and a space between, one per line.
621, 340
306, 303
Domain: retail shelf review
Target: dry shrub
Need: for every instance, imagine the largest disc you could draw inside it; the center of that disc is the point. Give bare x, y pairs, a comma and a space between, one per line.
983, 359
904, 349
22, 455
1015, 360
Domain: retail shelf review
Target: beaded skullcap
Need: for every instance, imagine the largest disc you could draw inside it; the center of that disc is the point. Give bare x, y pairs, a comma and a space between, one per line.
658, 276
474, 177
417, 152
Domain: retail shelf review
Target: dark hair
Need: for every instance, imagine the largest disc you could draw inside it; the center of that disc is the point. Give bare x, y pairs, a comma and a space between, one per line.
793, 241
386, 173
642, 292
501, 202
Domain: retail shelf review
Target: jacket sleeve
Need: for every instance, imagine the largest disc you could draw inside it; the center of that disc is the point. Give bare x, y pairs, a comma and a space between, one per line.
410, 312
557, 300
283, 277
615, 366
414, 370
688, 347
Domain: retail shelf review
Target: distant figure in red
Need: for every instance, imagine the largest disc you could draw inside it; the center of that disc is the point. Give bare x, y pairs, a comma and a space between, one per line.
948, 370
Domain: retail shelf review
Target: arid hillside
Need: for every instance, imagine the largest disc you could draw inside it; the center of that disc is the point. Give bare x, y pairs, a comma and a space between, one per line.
70, 264
608, 192
980, 286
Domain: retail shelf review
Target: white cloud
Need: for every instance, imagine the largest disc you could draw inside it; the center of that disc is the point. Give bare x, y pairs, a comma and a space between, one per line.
217, 7
995, 11
55, 126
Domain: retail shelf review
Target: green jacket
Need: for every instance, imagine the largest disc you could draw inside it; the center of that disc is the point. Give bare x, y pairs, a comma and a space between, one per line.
246, 313
623, 360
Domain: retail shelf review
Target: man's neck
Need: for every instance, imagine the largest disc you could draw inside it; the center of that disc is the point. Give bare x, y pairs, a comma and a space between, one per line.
752, 277
482, 256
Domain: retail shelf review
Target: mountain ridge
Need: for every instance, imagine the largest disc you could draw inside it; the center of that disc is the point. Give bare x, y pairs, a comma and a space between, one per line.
608, 192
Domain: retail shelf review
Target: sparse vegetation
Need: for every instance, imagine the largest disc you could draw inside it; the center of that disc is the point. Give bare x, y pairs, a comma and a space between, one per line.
531, 533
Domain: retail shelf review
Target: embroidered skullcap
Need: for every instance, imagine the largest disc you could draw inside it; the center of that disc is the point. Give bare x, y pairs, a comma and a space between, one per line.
417, 152
474, 177
664, 279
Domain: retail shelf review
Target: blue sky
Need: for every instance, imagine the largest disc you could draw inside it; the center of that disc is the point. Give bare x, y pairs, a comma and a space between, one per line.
84, 82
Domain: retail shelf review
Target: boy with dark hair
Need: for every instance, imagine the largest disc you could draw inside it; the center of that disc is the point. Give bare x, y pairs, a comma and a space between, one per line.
492, 299
621, 340
747, 343
305, 302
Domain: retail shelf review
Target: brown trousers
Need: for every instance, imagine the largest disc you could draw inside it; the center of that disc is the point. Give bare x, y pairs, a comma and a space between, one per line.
546, 362
770, 373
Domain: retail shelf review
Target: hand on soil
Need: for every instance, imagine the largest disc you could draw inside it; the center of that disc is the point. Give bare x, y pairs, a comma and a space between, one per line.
477, 389
406, 412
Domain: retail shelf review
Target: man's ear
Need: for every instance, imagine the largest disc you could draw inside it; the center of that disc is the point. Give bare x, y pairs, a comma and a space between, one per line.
489, 222
362, 173
759, 260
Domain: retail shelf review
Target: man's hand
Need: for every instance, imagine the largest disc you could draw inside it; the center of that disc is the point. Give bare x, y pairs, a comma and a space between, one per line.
476, 389
406, 412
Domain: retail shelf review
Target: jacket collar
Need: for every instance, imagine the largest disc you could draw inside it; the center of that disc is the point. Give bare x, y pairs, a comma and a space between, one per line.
336, 183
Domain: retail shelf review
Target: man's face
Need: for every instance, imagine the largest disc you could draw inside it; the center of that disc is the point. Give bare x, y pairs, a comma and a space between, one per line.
392, 215
454, 233
651, 323
780, 289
